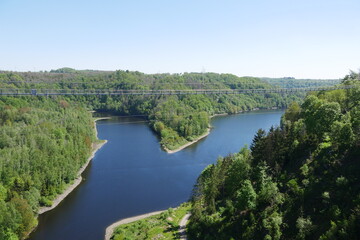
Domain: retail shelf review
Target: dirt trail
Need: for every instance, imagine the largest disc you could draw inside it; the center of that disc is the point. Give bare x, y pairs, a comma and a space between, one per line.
182, 226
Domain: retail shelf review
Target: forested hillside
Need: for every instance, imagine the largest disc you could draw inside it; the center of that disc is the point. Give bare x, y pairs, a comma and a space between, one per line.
298, 181
43, 143
176, 119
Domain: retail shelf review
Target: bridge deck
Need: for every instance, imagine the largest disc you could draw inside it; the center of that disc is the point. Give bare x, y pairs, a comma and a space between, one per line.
49, 92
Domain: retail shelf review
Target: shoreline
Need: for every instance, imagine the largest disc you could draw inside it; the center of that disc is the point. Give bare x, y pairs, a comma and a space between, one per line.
197, 139
78, 179
208, 130
100, 118
221, 114
189, 143
110, 229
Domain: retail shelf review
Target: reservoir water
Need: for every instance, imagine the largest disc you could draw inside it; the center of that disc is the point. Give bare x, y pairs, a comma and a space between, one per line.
132, 175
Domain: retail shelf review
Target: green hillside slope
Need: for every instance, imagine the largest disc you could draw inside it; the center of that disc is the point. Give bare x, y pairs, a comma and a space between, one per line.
298, 181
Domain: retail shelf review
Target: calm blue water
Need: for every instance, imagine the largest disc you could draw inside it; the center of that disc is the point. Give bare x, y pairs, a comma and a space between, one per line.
132, 175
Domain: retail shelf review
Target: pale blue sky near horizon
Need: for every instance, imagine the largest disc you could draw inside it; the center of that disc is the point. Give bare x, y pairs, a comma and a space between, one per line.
273, 38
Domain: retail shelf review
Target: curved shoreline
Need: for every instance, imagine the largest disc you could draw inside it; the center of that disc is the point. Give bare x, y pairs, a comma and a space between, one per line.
207, 131
110, 229
187, 144
78, 179
197, 139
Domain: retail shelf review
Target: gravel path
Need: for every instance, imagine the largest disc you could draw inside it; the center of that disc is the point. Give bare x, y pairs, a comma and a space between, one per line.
182, 226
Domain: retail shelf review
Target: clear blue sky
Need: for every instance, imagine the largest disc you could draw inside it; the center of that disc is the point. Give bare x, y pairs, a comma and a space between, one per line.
274, 38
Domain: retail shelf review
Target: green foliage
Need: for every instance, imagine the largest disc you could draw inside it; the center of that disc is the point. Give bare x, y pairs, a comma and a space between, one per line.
319, 115
305, 227
42, 146
44, 141
237, 197
161, 226
184, 118
292, 113
245, 198
300, 181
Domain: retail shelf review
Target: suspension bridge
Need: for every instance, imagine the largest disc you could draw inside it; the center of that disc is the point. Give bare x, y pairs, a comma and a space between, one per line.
99, 92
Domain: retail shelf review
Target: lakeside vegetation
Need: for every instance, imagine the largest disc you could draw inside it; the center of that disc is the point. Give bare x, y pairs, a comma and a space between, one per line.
44, 141
43, 144
297, 181
176, 119
162, 226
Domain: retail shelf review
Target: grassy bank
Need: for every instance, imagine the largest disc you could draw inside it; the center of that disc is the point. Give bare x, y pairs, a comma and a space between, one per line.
161, 226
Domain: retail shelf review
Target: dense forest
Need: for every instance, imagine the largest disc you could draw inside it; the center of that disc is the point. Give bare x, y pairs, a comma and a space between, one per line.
297, 181
176, 119
43, 143
45, 140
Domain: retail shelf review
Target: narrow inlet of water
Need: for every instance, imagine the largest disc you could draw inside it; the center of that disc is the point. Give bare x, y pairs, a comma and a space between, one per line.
132, 175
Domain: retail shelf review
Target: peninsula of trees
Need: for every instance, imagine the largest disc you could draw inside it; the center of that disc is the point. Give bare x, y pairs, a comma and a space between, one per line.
45, 140
176, 119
